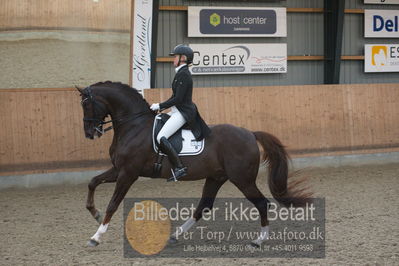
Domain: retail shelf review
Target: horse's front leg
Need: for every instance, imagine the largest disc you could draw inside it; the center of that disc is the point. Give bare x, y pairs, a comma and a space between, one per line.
108, 176
123, 183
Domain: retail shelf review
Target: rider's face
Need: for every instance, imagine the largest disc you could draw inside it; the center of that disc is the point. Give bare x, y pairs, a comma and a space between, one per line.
176, 60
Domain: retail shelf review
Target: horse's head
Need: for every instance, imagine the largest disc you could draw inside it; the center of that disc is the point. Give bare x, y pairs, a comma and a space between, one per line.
94, 113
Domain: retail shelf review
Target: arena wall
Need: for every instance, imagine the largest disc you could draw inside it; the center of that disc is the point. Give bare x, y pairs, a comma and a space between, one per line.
42, 129
42, 126
110, 15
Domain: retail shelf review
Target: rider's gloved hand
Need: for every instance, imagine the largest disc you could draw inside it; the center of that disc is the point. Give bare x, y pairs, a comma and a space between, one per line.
155, 107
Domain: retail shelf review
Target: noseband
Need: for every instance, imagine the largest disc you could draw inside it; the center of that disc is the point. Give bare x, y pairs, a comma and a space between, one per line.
98, 122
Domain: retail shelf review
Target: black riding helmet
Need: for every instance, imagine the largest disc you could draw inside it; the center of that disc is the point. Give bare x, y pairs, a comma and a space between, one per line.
182, 49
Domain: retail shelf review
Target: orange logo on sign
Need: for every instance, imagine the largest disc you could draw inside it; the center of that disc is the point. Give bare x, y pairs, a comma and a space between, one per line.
379, 55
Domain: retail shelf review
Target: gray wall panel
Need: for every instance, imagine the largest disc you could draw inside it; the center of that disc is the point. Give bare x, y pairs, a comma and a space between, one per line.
304, 37
353, 41
305, 34
353, 44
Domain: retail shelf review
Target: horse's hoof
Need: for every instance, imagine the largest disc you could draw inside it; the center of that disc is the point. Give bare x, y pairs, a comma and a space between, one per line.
92, 243
98, 217
172, 240
255, 244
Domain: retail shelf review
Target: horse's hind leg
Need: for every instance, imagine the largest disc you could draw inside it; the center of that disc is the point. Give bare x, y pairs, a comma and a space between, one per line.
211, 188
253, 194
108, 176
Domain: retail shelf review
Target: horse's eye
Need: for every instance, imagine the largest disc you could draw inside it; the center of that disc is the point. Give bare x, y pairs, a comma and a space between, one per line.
83, 101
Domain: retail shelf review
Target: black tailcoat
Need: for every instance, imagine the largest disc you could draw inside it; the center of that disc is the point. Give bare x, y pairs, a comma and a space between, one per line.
182, 87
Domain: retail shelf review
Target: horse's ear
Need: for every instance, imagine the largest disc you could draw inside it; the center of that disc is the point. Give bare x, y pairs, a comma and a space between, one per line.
79, 89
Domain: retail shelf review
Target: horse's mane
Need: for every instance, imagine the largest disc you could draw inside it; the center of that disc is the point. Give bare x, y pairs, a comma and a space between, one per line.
130, 91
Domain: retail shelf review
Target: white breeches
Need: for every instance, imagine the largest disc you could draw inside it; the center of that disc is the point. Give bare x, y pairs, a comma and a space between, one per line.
174, 123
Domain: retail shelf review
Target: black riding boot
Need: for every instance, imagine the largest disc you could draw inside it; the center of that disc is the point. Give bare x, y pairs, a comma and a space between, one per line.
178, 168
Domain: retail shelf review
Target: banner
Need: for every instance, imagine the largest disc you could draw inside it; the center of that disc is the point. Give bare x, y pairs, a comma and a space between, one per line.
237, 22
381, 23
141, 39
382, 2
381, 58
225, 232
239, 58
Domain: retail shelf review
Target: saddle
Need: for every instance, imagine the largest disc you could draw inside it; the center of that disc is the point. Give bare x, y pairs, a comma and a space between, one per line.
183, 141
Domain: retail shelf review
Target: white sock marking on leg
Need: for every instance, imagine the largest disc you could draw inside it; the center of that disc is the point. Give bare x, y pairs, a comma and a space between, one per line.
184, 228
101, 230
264, 235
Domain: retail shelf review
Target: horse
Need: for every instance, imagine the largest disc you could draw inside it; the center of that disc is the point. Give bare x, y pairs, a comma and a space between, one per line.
231, 153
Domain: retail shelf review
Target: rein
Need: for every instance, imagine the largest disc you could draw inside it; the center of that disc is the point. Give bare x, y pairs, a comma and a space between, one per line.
100, 122
99, 126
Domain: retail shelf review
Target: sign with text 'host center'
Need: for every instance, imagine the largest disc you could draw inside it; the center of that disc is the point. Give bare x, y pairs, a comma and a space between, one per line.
239, 58
381, 23
237, 22
381, 58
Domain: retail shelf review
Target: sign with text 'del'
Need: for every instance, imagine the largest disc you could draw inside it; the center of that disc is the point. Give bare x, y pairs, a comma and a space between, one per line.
382, 2
381, 58
381, 23
239, 58
237, 22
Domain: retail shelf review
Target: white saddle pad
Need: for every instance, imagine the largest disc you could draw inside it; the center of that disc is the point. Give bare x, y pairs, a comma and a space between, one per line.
190, 145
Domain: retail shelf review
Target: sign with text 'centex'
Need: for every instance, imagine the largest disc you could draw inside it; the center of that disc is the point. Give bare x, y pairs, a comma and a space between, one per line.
381, 23
239, 58
381, 58
237, 22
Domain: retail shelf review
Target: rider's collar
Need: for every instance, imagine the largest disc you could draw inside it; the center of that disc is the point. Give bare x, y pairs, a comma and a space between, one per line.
179, 67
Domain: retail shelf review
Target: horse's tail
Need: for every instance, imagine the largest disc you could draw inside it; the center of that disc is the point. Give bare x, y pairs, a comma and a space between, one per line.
277, 158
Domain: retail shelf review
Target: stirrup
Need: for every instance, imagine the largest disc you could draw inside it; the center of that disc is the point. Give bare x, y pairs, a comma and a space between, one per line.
179, 173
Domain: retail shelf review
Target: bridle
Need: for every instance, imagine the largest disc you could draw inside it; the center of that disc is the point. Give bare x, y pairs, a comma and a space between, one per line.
98, 123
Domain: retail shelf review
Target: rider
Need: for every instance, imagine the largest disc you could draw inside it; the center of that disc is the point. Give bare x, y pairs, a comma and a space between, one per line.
183, 110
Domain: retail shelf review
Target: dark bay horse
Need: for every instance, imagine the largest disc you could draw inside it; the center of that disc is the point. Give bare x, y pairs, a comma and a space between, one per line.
231, 153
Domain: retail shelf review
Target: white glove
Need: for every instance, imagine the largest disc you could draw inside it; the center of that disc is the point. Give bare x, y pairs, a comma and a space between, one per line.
155, 107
